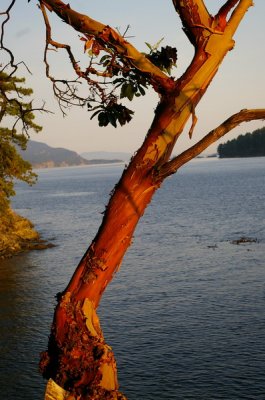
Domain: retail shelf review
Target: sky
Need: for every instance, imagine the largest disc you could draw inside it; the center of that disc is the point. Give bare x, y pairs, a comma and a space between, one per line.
239, 83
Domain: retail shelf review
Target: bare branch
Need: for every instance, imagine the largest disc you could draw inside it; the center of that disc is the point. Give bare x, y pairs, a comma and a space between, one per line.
14, 65
242, 116
7, 72
2, 46
67, 96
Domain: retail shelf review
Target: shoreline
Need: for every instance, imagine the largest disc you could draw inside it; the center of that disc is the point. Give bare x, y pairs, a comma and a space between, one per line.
17, 235
38, 168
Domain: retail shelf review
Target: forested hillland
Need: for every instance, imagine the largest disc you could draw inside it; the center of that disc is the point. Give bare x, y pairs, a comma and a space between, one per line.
248, 145
40, 155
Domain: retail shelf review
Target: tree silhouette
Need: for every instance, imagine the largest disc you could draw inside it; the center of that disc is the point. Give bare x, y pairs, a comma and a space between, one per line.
248, 145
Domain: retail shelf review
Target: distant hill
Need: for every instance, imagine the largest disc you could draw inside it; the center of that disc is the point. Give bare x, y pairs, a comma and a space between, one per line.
40, 155
106, 155
248, 145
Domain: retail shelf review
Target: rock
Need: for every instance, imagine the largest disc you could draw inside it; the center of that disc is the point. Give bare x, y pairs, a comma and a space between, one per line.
244, 239
17, 234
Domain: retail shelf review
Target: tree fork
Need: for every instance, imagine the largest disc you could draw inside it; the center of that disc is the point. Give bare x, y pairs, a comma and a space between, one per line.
78, 361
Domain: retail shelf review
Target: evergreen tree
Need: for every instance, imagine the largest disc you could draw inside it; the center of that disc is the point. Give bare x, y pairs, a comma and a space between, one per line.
13, 112
248, 145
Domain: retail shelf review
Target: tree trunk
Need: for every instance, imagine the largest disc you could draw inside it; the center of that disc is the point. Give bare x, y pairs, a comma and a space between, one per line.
78, 359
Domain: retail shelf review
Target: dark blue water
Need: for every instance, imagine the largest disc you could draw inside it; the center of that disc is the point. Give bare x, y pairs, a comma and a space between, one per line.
185, 314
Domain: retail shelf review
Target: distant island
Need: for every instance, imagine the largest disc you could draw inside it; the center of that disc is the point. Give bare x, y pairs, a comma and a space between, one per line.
106, 155
40, 155
248, 145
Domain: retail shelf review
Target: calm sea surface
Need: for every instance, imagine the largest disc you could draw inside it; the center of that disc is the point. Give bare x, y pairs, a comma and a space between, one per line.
186, 312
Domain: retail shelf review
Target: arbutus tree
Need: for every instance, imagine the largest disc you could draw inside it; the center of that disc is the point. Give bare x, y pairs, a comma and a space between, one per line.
78, 362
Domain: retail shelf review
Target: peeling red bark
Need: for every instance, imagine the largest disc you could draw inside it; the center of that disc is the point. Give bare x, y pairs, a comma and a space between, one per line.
78, 358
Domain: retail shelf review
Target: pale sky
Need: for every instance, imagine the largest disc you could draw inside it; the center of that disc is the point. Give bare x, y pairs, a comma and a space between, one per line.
239, 83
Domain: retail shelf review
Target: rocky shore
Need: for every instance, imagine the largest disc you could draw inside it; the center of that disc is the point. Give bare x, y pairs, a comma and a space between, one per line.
17, 234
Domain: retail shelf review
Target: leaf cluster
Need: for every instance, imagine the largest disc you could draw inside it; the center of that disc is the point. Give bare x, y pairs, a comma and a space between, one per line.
131, 84
128, 84
121, 79
117, 78
112, 113
165, 59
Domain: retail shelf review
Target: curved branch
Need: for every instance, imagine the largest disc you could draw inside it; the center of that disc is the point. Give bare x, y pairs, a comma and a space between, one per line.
226, 8
238, 15
2, 47
242, 116
193, 14
190, 8
14, 65
68, 95
110, 38
57, 45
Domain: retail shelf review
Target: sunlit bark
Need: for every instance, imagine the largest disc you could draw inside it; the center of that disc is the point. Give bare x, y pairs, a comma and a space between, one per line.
78, 359
172, 166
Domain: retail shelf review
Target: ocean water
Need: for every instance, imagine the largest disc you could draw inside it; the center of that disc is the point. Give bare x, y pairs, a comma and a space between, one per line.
185, 313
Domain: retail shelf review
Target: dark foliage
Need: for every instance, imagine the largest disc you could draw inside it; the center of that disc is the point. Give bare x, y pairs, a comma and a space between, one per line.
13, 108
248, 145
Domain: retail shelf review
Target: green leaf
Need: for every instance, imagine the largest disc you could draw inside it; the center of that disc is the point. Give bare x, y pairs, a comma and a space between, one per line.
112, 119
118, 80
95, 113
127, 91
155, 47
149, 46
141, 90
104, 58
103, 119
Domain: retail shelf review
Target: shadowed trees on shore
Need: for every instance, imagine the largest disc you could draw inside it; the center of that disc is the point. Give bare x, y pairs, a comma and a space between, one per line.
248, 145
